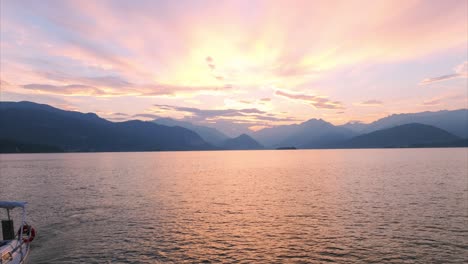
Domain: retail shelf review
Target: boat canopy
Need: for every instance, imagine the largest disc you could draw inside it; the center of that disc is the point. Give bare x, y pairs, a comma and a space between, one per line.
11, 205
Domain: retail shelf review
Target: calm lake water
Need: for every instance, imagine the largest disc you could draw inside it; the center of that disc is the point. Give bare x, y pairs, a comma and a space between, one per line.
295, 206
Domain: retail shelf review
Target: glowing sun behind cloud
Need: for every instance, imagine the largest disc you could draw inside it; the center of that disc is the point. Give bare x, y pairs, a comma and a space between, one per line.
336, 60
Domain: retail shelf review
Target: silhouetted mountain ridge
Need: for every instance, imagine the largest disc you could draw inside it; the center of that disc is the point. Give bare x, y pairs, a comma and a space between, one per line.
43, 126
408, 135
74, 131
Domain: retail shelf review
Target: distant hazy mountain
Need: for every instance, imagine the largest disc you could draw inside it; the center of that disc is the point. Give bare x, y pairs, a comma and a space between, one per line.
209, 134
314, 133
355, 126
241, 142
74, 131
455, 122
407, 135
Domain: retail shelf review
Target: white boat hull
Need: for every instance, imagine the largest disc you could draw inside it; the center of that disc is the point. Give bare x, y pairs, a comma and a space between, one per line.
14, 252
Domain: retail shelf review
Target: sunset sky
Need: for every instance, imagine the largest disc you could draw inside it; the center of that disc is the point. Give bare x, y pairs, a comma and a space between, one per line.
236, 64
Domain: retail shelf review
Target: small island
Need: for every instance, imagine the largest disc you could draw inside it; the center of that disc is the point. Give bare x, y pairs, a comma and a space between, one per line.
283, 148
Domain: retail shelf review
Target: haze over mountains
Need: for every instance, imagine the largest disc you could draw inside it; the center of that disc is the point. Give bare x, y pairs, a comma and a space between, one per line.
407, 135
319, 133
241, 142
29, 126
455, 122
209, 134
314, 133
214, 136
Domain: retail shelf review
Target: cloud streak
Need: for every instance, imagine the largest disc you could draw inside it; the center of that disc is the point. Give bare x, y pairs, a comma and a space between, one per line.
149, 116
245, 115
210, 113
319, 102
372, 102
72, 89
432, 102
460, 71
109, 91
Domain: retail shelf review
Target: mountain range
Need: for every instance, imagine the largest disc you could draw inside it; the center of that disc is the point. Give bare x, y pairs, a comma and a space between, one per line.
317, 133
32, 127
455, 122
74, 131
407, 135
214, 136
314, 133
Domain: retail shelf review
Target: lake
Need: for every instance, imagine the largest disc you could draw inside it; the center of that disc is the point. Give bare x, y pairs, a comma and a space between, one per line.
294, 206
